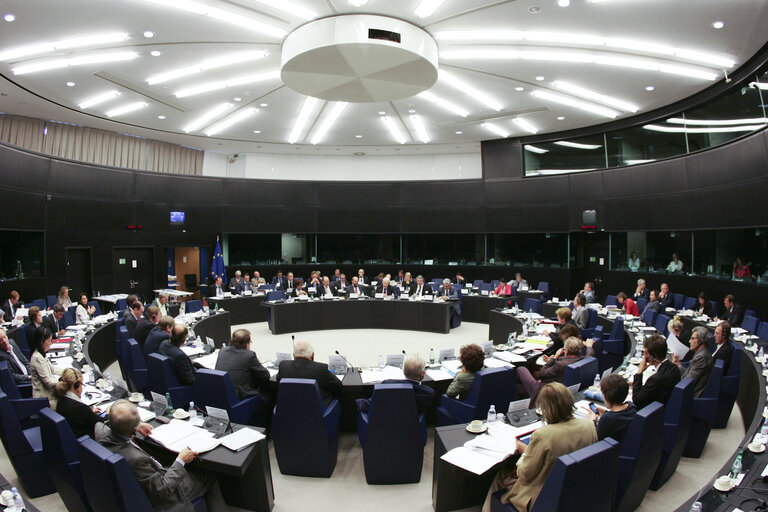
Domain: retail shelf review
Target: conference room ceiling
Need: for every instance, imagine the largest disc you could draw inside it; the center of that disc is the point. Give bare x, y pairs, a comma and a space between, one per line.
510, 67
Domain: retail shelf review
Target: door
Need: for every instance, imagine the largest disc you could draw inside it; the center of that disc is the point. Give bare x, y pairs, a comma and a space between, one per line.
133, 270
78, 271
187, 268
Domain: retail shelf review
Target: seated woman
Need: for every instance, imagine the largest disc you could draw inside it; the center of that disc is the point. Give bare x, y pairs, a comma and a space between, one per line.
633, 262
704, 306
80, 417
298, 288
503, 288
613, 420
63, 297
553, 370
561, 435
42, 373
563, 318
472, 358
677, 327
627, 305
740, 270
407, 283
84, 312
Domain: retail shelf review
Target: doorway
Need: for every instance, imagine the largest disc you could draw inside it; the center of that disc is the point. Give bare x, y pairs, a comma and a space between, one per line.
78, 275
187, 269
133, 270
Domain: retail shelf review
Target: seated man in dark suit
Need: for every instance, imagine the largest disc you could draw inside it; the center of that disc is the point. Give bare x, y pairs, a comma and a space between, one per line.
304, 366
217, 289
420, 288
658, 387
280, 281
733, 313
129, 300
326, 290
146, 324
171, 488
355, 287
413, 369
180, 362
245, 371
665, 298
11, 305
386, 289
653, 303
17, 361
449, 293
237, 284
641, 291
158, 335
137, 313
701, 363
341, 284
723, 345
52, 321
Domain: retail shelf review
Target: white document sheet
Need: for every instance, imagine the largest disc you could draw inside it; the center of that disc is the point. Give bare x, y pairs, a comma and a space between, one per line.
372, 376
241, 439
439, 374
475, 461
179, 434
491, 362
508, 357
452, 366
676, 346
208, 361
493, 444
392, 372
192, 351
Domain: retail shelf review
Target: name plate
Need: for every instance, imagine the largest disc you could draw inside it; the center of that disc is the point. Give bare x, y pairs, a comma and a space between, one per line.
219, 414
248, 292
447, 353
311, 289
465, 291
303, 297
378, 295
354, 295
159, 400
484, 292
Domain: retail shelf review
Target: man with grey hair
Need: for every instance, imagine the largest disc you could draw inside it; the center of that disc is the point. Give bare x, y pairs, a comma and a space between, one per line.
701, 364
420, 288
172, 488
552, 371
16, 360
160, 302
413, 369
304, 366
385, 288
641, 291
449, 293
237, 283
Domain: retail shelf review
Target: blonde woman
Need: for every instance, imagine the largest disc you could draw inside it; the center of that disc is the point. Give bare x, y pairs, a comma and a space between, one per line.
63, 297
81, 418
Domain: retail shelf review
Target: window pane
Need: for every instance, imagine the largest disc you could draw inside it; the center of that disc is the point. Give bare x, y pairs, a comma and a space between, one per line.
463, 249
705, 252
21, 254
662, 246
358, 248
253, 249
528, 250
640, 145
573, 155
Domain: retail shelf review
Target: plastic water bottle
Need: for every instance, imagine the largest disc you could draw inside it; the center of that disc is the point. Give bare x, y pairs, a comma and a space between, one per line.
381, 361
491, 414
432, 356
168, 405
696, 506
596, 383
736, 468
18, 501
108, 378
192, 411
761, 355
762, 436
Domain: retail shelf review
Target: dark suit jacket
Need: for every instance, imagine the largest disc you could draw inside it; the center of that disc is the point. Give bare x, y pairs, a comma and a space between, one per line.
53, 325
212, 289
390, 289
657, 388
733, 316
80, 417
667, 302
654, 305
130, 324
321, 290
236, 287
340, 288
425, 290
452, 294
424, 395
8, 312
360, 289
155, 338
18, 375
699, 370
141, 331
725, 352
244, 369
305, 369
704, 310
644, 294
180, 362
283, 282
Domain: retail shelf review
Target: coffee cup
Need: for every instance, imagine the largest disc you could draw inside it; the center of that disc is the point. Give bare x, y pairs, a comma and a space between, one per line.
476, 425
756, 447
723, 483
7, 498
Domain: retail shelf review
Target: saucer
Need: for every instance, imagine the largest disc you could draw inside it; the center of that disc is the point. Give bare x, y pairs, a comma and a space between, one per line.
753, 450
479, 431
717, 486
635, 360
180, 414
136, 397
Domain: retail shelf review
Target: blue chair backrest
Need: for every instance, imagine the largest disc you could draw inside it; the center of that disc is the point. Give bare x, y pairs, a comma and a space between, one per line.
532, 305
641, 303
493, 386
122, 340
640, 455
266, 287
750, 323
734, 368
131, 497
8, 383
63, 461
617, 332
571, 482
662, 324
677, 414
394, 417
97, 480
69, 318
21, 340
161, 374
649, 317
11, 433
678, 300
543, 286
495, 283
690, 302
592, 314
214, 388
485, 286
715, 379
193, 306
276, 295
750, 312
51, 300
121, 305
138, 366
714, 308
581, 372
477, 282
610, 300
40, 303
96, 307
300, 406
762, 331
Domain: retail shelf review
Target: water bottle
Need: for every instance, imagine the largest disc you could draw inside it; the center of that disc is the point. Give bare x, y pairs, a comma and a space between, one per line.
762, 436
696, 506
168, 405
596, 383
432, 356
18, 501
192, 411
761, 355
491, 414
108, 378
736, 468
381, 361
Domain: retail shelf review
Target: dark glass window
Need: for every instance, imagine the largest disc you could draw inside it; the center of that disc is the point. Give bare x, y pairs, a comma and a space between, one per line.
639, 145
572, 155
358, 248
528, 250
253, 249
462, 249
21, 254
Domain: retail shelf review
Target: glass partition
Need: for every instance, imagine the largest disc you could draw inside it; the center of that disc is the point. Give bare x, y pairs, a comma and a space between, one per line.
528, 250
358, 248
21, 254
444, 249
565, 156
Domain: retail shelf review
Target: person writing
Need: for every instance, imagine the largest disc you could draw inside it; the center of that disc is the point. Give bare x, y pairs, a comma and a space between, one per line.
472, 358
627, 305
658, 386
503, 288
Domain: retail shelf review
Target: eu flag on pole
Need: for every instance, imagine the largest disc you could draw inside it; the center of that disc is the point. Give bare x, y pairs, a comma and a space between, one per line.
217, 265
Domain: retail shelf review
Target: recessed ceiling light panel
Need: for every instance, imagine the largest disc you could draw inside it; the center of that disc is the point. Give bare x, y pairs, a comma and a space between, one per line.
222, 84
64, 44
232, 120
298, 126
329, 120
126, 109
73, 61
456, 83
427, 8
393, 129
217, 62
207, 117
98, 99
447, 105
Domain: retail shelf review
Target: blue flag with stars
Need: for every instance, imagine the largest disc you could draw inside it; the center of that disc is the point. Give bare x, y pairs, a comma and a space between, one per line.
217, 265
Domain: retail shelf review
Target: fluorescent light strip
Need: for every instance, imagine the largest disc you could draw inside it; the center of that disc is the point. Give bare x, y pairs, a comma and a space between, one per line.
218, 62
644, 47
207, 117
716, 122
467, 89
52, 46
427, 8
551, 172
101, 98
495, 129
301, 120
447, 105
357, 3
226, 16
393, 129
577, 145
231, 121
74, 61
525, 125
760, 85
587, 107
223, 84
126, 108
331, 118
592, 95
419, 127
291, 8
636, 162
725, 129
534, 149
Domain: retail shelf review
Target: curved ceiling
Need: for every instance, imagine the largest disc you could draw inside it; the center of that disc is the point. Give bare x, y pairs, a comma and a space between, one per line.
206, 73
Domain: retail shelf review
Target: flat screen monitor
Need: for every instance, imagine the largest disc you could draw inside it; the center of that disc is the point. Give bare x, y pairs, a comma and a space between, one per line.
177, 217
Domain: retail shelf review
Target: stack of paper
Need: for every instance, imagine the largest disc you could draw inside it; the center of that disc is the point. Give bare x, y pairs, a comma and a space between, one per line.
241, 439
477, 461
208, 361
179, 434
393, 372
491, 362
452, 366
439, 374
372, 376
538, 340
192, 350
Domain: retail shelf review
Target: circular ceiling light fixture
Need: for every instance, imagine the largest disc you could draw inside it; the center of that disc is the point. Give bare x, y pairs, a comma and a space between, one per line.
563, 3
161, 117
9, 17
148, 34
718, 25
71, 84
359, 58
534, 9
155, 53
649, 88
539, 78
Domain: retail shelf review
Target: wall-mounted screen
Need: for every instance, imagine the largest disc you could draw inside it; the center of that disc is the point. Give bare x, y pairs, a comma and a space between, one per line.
178, 217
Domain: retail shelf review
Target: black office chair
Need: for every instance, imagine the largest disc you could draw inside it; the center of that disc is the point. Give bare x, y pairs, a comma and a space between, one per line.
190, 282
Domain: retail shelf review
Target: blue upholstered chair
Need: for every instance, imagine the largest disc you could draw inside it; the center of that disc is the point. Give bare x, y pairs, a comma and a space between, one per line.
649, 317
544, 287
69, 318
677, 425
392, 434
678, 300
610, 300
20, 336
25, 450
572, 486
704, 412
641, 303
39, 303
715, 309
121, 305
493, 386
750, 323
581, 372
193, 306
662, 324
488, 287
750, 312
10, 387
51, 301
762, 331
690, 302
477, 282
611, 352
122, 340
96, 307
305, 432
729, 387
495, 283
60, 447
214, 388
162, 379
639, 458
20, 398
532, 305
276, 295
138, 377
589, 332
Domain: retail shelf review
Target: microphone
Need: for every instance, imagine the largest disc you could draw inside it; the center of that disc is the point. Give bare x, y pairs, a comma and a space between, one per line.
345, 360
293, 340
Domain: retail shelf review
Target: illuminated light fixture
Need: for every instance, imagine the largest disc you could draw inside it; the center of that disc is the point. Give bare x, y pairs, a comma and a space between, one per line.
155, 53
9, 17
636, 162
223, 84
723, 129
534, 149
760, 85
650, 88
224, 15
231, 121
525, 125
718, 25
592, 95
149, 34
127, 108
393, 129
447, 105
519, 89
588, 107
716, 122
101, 98
357, 3
577, 145
64, 44
291, 8
207, 117
561, 118
421, 132
205, 65
427, 8
483, 35
563, 3
467, 89
686, 71
161, 117
336, 111
552, 172
501, 132
70, 84
73, 61
301, 120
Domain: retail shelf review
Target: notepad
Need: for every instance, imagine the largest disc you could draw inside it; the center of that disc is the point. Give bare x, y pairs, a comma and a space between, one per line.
439, 374
473, 460
241, 439
208, 361
179, 434
508, 357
